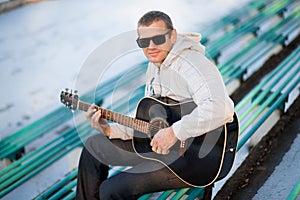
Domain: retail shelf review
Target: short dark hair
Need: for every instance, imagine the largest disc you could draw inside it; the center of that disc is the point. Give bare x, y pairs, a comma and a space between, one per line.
151, 16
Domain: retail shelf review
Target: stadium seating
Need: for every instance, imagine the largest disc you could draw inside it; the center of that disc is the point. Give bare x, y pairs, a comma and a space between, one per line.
239, 51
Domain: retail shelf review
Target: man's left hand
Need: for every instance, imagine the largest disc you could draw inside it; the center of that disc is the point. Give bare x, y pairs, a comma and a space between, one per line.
163, 140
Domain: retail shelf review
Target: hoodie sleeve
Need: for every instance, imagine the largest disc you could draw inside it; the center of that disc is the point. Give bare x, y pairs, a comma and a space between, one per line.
206, 87
118, 131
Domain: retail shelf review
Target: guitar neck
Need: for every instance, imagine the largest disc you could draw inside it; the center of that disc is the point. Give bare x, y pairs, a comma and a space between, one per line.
127, 121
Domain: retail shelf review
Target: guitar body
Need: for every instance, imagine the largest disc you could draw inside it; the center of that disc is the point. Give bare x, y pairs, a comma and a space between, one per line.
207, 158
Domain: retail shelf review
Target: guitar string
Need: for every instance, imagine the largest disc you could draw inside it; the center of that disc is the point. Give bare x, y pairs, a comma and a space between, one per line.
139, 123
110, 115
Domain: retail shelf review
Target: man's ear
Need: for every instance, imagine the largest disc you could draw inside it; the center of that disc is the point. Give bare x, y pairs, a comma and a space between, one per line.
173, 36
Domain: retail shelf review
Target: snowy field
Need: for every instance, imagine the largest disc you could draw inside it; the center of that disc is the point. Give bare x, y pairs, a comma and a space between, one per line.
44, 45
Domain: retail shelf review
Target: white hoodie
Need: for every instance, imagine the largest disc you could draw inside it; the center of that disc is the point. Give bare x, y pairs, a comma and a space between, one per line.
187, 74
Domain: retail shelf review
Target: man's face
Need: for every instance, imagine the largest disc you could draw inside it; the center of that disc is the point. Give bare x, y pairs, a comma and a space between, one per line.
157, 53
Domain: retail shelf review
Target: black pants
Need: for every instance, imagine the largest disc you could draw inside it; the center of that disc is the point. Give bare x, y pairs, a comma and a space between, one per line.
143, 177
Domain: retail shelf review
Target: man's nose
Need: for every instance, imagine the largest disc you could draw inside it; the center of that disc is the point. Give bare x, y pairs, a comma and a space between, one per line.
152, 45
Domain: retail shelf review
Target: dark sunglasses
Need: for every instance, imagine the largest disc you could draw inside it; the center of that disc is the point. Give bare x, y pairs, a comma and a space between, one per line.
157, 40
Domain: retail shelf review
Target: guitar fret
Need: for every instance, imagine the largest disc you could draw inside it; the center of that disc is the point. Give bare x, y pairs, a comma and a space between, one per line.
104, 113
140, 125
127, 121
134, 124
145, 128
110, 116
114, 116
107, 115
123, 120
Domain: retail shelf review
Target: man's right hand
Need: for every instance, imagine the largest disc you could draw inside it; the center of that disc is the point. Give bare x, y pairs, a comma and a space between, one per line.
94, 118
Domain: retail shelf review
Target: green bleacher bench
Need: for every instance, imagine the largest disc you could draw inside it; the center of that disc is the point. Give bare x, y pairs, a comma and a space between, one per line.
237, 16
252, 57
246, 30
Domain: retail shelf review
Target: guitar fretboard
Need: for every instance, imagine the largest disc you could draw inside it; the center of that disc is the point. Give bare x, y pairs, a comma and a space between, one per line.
127, 121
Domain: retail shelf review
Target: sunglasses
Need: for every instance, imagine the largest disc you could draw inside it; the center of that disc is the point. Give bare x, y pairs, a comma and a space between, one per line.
157, 40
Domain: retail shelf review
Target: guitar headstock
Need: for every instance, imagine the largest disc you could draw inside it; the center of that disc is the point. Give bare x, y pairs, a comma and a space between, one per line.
70, 99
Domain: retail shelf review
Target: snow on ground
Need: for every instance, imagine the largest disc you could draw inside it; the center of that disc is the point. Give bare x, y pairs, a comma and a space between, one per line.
43, 46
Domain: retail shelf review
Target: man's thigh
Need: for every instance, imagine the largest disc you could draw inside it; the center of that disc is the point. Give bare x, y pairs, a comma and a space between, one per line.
115, 152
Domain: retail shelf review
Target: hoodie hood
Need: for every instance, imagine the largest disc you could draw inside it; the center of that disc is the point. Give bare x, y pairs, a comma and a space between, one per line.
184, 42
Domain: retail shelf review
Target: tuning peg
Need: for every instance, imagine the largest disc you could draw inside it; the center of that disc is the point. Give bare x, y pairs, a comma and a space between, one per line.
75, 92
67, 89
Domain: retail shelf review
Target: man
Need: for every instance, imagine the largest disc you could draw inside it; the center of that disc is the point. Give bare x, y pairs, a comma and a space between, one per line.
177, 69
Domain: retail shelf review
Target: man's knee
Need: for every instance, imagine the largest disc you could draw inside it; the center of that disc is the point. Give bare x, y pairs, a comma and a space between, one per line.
94, 146
109, 190
94, 143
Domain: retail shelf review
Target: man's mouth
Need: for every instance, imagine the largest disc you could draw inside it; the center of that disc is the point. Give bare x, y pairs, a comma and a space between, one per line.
153, 53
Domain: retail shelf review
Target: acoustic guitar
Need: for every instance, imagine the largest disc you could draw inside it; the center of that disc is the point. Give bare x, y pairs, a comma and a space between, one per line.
198, 161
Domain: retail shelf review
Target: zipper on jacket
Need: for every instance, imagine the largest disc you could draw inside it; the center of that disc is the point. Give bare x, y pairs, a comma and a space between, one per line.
159, 81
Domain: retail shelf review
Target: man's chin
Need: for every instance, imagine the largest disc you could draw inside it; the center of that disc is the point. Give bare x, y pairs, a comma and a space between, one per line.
155, 60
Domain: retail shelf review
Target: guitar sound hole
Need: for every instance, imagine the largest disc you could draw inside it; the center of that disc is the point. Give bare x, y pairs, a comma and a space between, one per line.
156, 125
